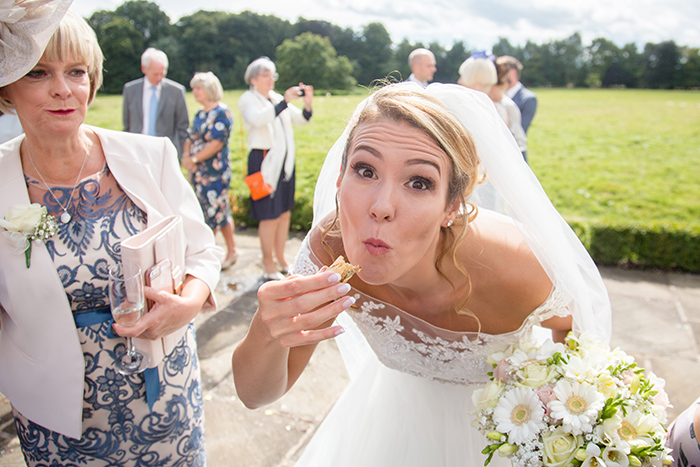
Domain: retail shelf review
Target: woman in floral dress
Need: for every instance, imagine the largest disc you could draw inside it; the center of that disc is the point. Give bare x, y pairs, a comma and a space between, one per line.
206, 156
57, 343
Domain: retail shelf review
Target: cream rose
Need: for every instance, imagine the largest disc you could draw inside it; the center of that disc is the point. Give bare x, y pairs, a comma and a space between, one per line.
22, 218
559, 447
534, 376
488, 396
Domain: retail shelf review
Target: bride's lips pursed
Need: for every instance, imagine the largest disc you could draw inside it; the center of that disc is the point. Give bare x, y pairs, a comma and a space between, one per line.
376, 246
62, 111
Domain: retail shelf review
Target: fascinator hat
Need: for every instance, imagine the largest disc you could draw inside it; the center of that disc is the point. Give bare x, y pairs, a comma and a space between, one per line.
25, 28
518, 196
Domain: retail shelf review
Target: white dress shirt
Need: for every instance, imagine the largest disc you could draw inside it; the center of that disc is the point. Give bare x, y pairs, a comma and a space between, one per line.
514, 90
413, 78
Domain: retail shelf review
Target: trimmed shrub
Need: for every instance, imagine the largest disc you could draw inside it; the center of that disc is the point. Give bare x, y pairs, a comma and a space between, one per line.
665, 247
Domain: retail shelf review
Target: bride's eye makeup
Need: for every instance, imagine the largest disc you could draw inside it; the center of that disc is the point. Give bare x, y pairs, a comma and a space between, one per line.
421, 183
363, 169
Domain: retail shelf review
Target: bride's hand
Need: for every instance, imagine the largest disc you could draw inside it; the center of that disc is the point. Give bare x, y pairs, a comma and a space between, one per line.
300, 310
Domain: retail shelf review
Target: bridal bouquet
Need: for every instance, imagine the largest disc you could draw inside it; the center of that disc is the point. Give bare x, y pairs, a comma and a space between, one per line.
573, 404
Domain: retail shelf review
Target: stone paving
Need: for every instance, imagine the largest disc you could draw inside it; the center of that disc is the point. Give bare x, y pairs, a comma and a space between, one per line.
656, 318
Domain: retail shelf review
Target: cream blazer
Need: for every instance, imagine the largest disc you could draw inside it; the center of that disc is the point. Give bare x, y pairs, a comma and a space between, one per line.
259, 114
267, 130
41, 361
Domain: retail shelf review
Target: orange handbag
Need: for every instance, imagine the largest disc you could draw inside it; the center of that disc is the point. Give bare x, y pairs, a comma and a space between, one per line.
258, 188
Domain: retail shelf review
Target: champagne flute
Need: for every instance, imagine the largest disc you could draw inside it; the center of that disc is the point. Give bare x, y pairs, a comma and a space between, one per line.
127, 302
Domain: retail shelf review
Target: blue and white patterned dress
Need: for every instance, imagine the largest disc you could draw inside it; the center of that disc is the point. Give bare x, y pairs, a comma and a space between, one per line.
212, 177
118, 428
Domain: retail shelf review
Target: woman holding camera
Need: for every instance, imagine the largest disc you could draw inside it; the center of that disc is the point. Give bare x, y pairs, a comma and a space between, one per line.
269, 118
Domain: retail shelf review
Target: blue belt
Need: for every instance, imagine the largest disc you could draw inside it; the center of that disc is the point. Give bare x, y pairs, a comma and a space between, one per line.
103, 314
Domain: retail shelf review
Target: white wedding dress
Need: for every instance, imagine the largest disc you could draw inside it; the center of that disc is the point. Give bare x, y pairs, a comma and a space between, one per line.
408, 403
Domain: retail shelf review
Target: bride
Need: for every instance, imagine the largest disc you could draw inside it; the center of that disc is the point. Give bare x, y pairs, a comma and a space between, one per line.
443, 283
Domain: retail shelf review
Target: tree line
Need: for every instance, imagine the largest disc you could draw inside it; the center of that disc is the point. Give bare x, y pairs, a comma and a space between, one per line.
335, 58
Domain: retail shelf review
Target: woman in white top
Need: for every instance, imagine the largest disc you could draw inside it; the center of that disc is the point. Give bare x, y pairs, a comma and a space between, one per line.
269, 118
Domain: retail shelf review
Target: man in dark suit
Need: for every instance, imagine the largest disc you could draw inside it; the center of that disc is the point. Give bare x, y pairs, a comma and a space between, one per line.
525, 99
154, 105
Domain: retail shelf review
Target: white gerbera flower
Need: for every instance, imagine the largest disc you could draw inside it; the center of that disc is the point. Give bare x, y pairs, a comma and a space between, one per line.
577, 405
519, 414
639, 429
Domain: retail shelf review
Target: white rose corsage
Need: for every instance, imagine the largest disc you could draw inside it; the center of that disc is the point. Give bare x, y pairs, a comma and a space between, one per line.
24, 223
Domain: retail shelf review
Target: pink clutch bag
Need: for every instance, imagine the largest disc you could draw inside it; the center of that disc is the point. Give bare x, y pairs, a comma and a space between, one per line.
164, 240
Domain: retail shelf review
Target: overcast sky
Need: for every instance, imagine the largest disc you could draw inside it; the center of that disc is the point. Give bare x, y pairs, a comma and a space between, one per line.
478, 23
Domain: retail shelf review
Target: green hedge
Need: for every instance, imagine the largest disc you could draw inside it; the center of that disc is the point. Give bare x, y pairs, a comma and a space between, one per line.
666, 247
302, 214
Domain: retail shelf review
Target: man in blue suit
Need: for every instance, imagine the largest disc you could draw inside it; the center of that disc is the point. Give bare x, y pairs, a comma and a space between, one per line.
522, 96
154, 105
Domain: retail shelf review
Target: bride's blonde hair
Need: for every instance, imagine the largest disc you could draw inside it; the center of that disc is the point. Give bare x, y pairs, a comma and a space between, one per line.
409, 104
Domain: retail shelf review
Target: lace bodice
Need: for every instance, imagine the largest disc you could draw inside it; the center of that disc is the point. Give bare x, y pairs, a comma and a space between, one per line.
409, 344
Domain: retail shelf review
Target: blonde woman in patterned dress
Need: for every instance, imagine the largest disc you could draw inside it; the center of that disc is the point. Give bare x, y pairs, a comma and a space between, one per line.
57, 345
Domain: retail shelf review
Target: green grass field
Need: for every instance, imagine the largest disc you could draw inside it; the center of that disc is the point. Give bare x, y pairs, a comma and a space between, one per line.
630, 156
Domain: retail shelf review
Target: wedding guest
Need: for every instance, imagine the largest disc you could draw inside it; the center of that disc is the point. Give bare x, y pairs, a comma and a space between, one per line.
57, 346
480, 73
268, 117
422, 64
206, 157
507, 109
523, 97
442, 283
683, 435
155, 105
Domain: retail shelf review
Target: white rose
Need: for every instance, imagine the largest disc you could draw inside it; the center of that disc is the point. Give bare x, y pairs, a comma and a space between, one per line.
534, 375
22, 218
487, 398
559, 447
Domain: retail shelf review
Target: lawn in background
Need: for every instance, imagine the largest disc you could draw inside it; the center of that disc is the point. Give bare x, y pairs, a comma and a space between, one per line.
631, 156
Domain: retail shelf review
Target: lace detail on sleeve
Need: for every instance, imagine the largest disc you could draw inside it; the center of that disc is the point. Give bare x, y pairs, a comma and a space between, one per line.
303, 264
408, 344
555, 306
